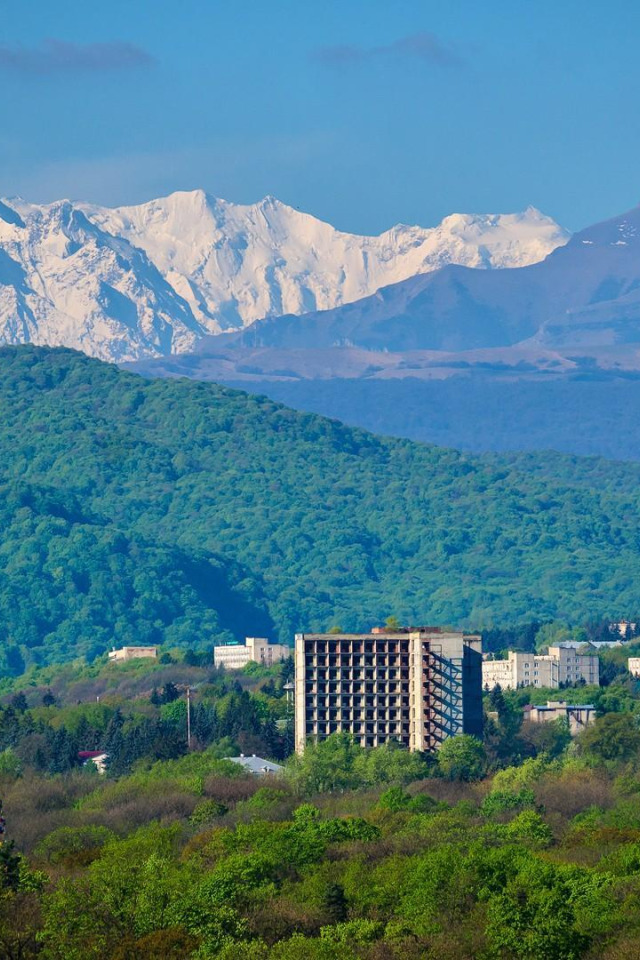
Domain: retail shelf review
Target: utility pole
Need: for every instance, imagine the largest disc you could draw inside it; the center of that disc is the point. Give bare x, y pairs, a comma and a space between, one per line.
188, 718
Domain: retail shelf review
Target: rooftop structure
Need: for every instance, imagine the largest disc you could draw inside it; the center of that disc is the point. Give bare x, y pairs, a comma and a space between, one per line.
234, 656
578, 716
561, 665
412, 686
592, 644
97, 757
257, 765
132, 653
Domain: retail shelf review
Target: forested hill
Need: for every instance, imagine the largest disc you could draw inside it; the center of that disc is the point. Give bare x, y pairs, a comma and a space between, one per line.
177, 511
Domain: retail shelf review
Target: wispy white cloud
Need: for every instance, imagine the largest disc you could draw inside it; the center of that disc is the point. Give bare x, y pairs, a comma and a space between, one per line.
61, 56
420, 46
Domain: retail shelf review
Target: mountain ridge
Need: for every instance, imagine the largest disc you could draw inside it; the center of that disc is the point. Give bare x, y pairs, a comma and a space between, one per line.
456, 308
152, 280
311, 522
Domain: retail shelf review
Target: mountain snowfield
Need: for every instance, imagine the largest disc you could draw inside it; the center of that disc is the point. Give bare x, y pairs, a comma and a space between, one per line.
153, 279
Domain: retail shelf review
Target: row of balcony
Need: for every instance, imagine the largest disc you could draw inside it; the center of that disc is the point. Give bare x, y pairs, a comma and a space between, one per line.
313, 662
355, 702
371, 730
369, 688
333, 647
343, 717
372, 679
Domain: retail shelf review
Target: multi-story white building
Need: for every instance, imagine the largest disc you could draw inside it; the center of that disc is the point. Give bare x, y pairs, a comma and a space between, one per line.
413, 687
234, 656
561, 665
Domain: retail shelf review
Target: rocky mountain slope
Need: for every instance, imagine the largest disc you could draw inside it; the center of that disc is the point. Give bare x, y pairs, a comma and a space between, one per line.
584, 295
151, 280
66, 282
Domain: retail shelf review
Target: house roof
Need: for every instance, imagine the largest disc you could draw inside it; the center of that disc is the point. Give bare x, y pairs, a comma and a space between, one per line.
256, 764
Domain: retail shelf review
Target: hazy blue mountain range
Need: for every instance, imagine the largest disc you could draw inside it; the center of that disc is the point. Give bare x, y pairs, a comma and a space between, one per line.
588, 417
545, 356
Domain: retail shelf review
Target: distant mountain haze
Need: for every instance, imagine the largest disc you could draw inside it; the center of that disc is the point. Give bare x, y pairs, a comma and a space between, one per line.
152, 280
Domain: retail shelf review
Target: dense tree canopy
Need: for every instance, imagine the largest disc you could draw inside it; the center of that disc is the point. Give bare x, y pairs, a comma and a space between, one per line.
182, 512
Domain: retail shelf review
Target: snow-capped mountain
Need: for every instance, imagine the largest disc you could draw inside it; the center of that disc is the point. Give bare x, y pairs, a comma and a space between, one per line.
583, 296
151, 280
66, 282
234, 264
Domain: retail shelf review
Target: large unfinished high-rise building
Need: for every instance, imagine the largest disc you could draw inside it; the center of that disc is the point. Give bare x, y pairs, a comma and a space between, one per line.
414, 686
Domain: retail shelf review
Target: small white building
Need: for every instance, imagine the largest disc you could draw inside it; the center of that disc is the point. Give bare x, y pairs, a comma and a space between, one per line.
234, 656
623, 627
633, 666
562, 664
95, 757
132, 653
256, 765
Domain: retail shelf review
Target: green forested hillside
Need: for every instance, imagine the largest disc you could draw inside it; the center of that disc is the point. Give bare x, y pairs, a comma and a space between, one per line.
181, 511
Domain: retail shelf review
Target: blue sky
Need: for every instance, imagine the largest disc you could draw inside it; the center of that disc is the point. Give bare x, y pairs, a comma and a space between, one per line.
363, 112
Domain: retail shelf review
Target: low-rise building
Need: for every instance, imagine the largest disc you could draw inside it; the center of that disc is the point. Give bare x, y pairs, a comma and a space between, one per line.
132, 653
578, 716
624, 627
633, 666
97, 757
561, 665
256, 765
234, 656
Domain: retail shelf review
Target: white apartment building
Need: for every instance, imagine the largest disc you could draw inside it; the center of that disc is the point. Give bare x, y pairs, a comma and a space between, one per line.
562, 664
234, 656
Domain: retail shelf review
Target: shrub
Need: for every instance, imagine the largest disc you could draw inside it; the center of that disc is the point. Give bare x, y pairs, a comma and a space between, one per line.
394, 799
501, 801
529, 825
10, 765
267, 797
73, 845
353, 932
461, 758
206, 811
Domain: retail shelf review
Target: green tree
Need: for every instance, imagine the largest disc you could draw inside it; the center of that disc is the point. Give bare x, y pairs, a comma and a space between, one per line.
461, 758
616, 736
9, 866
335, 903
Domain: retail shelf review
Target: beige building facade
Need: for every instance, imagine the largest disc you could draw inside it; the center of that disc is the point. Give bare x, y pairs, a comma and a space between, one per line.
578, 716
633, 666
234, 656
132, 653
413, 687
561, 665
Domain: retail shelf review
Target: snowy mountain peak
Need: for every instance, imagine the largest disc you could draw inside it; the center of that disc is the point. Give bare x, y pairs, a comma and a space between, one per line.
153, 278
